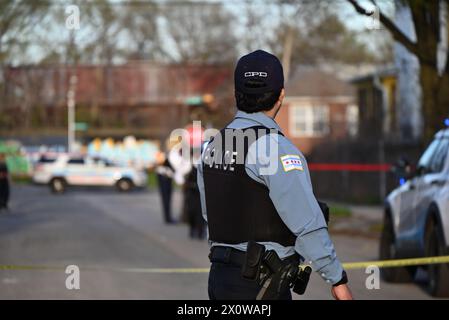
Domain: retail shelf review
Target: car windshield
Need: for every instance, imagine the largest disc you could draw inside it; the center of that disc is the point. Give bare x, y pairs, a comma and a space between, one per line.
426, 158
439, 157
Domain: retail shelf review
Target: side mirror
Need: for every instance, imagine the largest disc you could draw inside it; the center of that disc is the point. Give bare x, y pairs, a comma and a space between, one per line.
421, 170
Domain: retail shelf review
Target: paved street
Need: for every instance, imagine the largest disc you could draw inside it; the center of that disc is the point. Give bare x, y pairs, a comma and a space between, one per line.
105, 229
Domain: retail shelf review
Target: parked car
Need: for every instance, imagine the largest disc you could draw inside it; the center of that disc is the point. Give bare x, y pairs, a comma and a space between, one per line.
42, 168
66, 170
416, 221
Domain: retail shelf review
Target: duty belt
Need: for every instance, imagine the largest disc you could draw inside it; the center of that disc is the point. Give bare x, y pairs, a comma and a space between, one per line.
229, 255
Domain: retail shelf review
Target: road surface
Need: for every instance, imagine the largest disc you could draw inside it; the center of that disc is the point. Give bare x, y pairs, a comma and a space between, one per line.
107, 230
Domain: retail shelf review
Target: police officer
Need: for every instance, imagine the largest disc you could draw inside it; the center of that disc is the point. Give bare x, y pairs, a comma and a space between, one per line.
197, 226
164, 171
260, 190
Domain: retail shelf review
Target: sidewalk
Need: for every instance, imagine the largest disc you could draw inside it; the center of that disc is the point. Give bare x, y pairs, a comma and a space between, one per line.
364, 220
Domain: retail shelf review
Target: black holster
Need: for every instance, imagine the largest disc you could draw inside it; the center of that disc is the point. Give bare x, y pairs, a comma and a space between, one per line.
274, 275
253, 260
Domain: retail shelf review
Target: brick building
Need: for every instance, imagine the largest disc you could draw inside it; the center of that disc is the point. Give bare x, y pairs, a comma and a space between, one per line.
148, 100
136, 98
318, 108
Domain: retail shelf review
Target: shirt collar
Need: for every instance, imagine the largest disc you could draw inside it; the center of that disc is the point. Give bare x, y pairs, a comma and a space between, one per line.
259, 117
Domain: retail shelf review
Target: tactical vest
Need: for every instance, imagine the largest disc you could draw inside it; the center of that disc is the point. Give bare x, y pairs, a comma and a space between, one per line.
239, 208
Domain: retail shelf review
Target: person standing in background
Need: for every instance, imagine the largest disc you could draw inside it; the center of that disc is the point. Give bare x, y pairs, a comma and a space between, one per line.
192, 201
165, 173
4, 183
172, 167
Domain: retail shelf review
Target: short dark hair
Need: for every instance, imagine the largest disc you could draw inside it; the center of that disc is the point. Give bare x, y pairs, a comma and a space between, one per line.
256, 102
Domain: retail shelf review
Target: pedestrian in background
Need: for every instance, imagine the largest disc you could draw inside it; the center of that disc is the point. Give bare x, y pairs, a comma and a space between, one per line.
197, 225
192, 201
165, 172
4, 183
173, 167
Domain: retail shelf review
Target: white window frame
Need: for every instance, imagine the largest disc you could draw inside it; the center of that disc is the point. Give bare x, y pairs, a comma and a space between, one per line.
352, 120
309, 111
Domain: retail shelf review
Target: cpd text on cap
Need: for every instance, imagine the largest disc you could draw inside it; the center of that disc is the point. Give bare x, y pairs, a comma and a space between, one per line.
255, 73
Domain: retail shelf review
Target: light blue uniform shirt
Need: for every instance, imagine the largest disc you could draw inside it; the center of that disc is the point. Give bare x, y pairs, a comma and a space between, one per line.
290, 189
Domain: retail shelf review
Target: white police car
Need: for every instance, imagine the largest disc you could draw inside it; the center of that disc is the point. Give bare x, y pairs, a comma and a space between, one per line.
416, 222
65, 170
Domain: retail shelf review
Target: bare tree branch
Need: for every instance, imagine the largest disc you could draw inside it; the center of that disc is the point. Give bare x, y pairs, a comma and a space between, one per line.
397, 34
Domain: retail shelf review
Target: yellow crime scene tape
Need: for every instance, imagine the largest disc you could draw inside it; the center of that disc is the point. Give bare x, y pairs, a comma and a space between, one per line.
348, 266
397, 262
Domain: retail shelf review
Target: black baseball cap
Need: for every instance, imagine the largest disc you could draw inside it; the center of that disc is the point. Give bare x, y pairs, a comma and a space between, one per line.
261, 66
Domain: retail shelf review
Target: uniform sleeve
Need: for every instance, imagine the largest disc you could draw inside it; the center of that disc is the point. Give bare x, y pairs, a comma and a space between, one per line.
291, 191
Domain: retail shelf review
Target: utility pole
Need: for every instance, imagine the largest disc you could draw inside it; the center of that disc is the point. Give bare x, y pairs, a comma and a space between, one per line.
289, 42
71, 94
71, 111
287, 54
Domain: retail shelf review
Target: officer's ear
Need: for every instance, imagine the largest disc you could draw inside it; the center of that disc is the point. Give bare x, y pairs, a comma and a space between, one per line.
277, 106
282, 96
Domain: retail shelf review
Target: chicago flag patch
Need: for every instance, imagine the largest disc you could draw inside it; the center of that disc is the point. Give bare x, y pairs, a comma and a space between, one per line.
291, 162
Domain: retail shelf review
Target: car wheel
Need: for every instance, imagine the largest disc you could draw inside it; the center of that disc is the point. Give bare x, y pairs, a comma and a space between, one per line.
124, 185
387, 251
57, 185
438, 285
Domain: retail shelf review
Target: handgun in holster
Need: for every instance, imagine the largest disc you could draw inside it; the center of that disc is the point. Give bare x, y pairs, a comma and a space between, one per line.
274, 275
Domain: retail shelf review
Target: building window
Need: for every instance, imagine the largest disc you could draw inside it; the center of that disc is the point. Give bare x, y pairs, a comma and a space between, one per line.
309, 120
352, 120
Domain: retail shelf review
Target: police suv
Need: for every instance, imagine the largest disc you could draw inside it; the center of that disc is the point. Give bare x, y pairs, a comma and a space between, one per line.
416, 221
65, 170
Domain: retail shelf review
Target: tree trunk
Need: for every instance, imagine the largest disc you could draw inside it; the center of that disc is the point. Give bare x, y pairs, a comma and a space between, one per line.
435, 100
443, 97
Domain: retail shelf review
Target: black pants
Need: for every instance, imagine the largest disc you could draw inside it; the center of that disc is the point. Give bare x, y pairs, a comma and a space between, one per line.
226, 283
165, 189
4, 193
